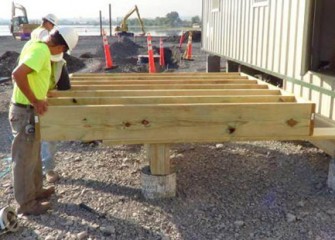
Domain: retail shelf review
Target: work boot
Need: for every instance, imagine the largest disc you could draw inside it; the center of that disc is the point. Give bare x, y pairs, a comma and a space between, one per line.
37, 209
51, 176
45, 193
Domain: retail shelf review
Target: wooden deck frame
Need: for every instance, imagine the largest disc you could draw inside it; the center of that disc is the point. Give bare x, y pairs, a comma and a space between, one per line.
160, 109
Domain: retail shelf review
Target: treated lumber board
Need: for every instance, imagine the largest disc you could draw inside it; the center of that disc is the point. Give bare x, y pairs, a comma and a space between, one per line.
156, 77
176, 123
158, 155
168, 86
173, 81
327, 127
162, 92
325, 133
319, 135
63, 101
165, 74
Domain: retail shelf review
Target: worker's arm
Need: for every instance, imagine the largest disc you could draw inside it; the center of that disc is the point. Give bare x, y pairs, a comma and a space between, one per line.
20, 76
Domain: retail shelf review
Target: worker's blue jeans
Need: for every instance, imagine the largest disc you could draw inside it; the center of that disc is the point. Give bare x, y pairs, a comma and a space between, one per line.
48, 151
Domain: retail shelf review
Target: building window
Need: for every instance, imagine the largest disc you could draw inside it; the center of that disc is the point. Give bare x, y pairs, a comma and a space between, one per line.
215, 5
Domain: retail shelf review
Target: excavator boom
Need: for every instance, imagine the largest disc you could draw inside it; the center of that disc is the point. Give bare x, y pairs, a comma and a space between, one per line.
122, 30
20, 27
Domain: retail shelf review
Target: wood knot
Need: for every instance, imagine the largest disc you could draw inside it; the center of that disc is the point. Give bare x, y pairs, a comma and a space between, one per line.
127, 124
291, 122
145, 122
231, 130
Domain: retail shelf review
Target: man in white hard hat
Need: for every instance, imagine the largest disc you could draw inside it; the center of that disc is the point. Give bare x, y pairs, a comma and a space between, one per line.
31, 83
48, 23
59, 78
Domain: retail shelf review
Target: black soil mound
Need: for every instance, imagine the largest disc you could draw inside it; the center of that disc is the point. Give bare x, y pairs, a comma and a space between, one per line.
73, 64
8, 62
122, 48
196, 37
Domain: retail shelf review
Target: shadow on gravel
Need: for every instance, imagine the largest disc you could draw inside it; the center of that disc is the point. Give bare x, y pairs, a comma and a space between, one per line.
238, 188
105, 228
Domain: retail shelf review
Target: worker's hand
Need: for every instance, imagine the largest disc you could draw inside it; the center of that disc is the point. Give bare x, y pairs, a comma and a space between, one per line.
41, 106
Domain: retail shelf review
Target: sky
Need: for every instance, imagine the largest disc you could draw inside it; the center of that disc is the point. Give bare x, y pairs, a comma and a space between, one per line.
90, 8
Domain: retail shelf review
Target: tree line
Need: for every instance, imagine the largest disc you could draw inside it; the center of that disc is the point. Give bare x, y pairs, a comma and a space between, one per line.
171, 19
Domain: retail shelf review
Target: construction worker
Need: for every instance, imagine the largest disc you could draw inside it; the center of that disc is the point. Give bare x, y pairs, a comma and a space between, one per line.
31, 83
48, 23
59, 80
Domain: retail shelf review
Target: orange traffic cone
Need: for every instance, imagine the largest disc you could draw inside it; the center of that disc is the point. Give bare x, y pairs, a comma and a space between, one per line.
152, 68
161, 53
108, 56
188, 51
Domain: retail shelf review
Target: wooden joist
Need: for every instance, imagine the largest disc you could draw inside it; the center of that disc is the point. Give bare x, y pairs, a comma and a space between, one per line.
164, 92
174, 107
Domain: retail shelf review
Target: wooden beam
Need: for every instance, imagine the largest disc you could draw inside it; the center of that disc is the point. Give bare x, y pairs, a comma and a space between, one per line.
173, 123
158, 156
168, 86
325, 128
157, 77
166, 100
179, 81
165, 74
162, 92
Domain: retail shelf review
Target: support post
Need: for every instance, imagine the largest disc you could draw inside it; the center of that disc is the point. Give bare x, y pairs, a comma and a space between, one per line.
213, 63
331, 173
158, 156
110, 20
157, 180
232, 66
100, 19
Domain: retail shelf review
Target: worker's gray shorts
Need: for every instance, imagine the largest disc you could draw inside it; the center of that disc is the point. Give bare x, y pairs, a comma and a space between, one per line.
26, 160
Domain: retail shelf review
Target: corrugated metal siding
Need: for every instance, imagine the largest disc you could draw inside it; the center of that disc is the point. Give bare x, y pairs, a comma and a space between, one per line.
271, 38
256, 35
318, 88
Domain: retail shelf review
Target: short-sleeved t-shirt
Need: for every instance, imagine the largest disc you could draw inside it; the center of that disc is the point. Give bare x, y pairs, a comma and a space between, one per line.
35, 55
39, 33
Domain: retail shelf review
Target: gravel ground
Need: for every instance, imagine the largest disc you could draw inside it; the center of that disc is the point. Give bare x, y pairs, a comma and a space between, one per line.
245, 190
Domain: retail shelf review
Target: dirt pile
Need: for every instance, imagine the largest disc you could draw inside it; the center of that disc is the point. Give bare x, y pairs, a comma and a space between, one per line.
73, 64
196, 36
7, 63
122, 48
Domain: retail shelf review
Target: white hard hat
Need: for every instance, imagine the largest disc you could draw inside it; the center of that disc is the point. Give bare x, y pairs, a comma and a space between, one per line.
51, 18
70, 36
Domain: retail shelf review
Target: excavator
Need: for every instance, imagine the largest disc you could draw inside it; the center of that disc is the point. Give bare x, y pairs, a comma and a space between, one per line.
20, 27
122, 30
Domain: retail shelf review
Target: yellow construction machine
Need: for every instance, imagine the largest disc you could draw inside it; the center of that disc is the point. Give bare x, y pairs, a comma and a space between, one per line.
122, 30
20, 27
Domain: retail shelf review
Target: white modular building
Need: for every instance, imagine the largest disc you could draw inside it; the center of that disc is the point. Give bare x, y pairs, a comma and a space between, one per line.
291, 40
